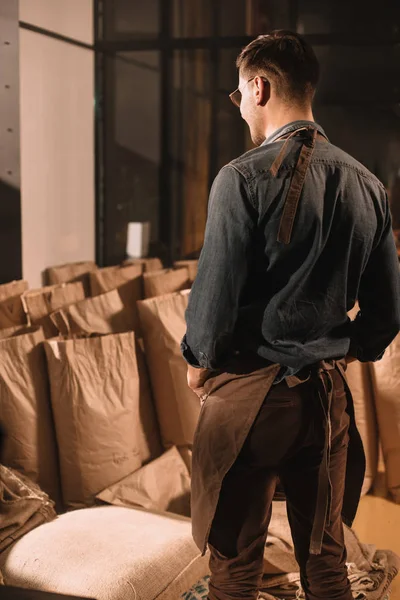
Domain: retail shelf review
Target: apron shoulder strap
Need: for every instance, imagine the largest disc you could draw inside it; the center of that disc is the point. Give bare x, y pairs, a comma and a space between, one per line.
297, 182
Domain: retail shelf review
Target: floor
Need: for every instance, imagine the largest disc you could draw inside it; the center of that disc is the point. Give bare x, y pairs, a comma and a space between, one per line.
378, 522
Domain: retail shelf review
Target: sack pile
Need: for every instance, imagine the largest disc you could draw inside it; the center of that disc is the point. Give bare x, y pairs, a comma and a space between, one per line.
93, 393
81, 415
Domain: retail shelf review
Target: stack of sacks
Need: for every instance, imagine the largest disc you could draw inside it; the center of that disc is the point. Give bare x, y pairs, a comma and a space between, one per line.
147, 264
178, 407
12, 313
71, 272
360, 383
166, 281
127, 281
99, 384
190, 265
386, 386
98, 407
359, 378
29, 444
102, 314
39, 304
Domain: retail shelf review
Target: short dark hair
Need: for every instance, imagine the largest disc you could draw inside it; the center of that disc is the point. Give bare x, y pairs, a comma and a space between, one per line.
286, 60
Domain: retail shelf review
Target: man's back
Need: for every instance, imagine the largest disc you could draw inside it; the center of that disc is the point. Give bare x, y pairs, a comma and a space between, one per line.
294, 298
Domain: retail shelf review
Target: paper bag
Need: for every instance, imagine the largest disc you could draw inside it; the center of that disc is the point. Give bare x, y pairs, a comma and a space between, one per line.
12, 313
25, 410
14, 288
149, 430
191, 266
158, 283
163, 485
129, 283
177, 406
386, 385
360, 383
110, 278
71, 272
10, 331
148, 264
95, 395
102, 314
39, 304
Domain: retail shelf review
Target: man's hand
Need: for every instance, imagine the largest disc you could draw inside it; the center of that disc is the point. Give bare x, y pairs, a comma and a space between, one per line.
196, 379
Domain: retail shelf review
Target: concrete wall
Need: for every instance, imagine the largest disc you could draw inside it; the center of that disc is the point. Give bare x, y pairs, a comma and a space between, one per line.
57, 136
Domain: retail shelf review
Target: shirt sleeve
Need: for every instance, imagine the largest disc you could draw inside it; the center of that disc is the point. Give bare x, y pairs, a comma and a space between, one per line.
378, 321
222, 273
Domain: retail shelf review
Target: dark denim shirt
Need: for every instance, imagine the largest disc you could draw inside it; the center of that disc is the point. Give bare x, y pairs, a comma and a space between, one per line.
289, 303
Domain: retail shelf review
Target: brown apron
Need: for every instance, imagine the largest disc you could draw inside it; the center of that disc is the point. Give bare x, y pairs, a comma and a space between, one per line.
234, 397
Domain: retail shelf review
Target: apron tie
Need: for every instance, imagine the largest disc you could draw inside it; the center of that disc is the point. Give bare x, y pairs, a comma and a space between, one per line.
324, 494
325, 390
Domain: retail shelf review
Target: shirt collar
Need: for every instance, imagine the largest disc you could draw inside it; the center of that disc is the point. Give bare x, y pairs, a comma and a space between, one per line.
289, 128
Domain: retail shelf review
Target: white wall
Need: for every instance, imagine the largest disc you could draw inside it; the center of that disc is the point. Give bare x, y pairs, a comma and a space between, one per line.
57, 138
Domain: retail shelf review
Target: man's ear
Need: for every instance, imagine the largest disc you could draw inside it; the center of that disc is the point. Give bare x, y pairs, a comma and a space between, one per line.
262, 91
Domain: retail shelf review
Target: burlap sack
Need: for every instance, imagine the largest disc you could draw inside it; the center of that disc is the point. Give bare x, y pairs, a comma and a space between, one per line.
148, 264
102, 314
386, 385
14, 288
178, 407
95, 397
71, 272
191, 265
23, 506
166, 281
163, 485
360, 383
12, 313
25, 411
39, 304
129, 283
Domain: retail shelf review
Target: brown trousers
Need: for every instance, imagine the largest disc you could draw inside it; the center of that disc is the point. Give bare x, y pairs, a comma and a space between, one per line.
286, 442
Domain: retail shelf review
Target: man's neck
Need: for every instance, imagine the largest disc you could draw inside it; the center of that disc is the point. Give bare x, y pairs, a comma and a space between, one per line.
285, 117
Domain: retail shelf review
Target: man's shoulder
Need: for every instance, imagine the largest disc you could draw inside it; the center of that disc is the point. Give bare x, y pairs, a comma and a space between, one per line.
258, 161
333, 156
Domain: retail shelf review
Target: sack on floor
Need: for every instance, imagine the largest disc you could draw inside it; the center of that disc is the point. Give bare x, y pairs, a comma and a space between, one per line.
110, 278
39, 304
129, 283
147, 264
191, 266
386, 385
25, 412
360, 382
23, 506
102, 314
95, 396
14, 288
167, 281
163, 485
178, 407
71, 272
12, 313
